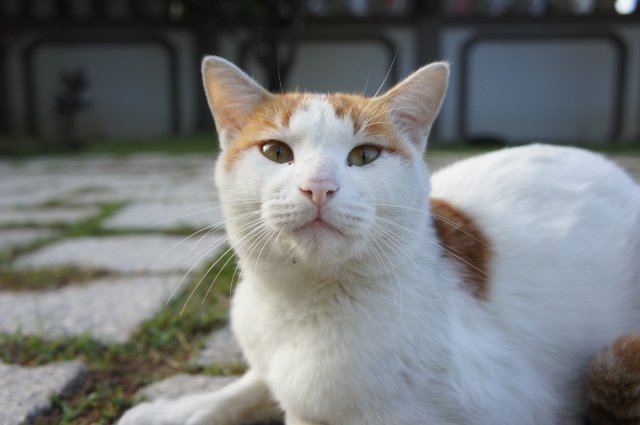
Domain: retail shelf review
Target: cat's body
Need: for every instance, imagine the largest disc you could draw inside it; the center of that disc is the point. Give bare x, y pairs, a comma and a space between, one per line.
354, 308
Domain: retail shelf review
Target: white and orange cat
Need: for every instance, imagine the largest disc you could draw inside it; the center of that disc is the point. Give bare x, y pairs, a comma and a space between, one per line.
372, 294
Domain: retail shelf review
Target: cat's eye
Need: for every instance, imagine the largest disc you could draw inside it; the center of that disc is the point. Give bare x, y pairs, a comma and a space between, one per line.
277, 152
363, 155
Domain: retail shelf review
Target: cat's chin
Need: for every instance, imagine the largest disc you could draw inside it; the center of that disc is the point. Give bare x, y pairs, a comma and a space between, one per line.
321, 242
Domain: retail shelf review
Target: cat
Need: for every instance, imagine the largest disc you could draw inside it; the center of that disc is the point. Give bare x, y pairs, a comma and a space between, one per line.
372, 294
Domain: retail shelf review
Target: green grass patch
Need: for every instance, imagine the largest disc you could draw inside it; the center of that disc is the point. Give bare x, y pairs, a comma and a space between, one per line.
14, 146
93, 225
35, 280
163, 346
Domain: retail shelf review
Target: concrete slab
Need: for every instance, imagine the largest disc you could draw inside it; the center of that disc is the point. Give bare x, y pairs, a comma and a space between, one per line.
127, 254
222, 348
17, 237
166, 216
25, 391
183, 384
108, 309
46, 215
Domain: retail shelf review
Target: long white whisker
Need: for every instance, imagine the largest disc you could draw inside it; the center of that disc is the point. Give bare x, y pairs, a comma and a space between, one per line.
443, 246
215, 245
200, 281
439, 217
222, 224
190, 214
414, 260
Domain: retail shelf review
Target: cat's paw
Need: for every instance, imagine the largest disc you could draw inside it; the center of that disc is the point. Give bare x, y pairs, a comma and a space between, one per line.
198, 409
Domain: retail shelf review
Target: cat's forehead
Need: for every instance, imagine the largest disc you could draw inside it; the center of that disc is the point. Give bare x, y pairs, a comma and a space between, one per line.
295, 110
319, 121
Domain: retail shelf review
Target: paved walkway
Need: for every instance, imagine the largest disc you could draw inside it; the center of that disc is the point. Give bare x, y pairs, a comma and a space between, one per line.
155, 195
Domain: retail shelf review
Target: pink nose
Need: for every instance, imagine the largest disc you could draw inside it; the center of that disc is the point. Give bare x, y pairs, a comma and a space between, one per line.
318, 191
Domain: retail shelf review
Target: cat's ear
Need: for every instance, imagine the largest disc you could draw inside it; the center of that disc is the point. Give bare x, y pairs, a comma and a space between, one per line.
414, 103
231, 94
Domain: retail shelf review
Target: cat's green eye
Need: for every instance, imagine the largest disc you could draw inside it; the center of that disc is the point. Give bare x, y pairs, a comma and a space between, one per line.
363, 155
277, 152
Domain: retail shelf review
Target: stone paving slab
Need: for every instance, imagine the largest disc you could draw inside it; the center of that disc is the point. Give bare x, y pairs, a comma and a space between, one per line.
16, 237
25, 391
183, 384
157, 216
90, 179
127, 254
46, 215
221, 347
109, 309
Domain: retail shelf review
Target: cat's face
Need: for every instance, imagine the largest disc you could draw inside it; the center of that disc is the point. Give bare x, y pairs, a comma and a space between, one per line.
320, 178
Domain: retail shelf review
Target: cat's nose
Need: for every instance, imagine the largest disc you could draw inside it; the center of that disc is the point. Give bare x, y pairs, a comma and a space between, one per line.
318, 191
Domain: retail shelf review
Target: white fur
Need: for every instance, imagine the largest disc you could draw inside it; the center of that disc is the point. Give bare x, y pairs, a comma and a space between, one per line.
367, 323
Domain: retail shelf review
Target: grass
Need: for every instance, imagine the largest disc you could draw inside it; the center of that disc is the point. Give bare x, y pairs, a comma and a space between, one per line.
163, 346
35, 280
195, 143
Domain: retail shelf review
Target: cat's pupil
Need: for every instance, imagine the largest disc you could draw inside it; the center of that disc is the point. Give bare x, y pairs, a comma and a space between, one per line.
278, 152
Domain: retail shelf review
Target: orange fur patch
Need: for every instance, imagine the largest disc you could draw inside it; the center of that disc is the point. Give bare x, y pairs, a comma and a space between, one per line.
614, 383
275, 112
371, 117
462, 240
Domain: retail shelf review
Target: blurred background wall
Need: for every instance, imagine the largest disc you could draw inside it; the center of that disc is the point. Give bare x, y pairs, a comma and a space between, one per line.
552, 70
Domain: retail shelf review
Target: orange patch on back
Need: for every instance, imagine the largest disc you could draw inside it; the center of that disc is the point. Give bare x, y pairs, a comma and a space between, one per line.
614, 383
463, 241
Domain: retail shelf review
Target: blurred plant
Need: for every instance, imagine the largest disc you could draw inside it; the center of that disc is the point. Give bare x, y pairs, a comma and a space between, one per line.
69, 103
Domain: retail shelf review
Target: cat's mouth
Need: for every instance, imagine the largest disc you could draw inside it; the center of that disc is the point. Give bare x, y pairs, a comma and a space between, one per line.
318, 225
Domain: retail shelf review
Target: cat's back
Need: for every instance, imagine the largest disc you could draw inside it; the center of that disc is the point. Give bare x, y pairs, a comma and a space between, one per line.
563, 228
544, 194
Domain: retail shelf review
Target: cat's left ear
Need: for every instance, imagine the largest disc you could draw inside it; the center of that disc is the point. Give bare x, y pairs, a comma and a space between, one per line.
414, 103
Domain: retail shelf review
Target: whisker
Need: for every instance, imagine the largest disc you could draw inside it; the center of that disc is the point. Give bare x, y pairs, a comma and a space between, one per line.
394, 270
174, 246
220, 225
414, 260
439, 217
200, 281
224, 239
215, 245
438, 243
197, 212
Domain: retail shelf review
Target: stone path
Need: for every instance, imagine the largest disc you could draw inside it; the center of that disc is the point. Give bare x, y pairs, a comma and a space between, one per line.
19, 237
38, 196
127, 254
25, 392
160, 216
45, 216
221, 348
161, 194
109, 309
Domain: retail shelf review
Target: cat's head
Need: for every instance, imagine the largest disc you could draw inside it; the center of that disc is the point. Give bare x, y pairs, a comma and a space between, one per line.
321, 178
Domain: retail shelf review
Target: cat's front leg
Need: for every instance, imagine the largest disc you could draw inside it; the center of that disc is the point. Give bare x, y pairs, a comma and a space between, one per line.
245, 401
293, 419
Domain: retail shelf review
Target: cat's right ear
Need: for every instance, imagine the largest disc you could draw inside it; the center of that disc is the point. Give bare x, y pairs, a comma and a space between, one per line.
231, 94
